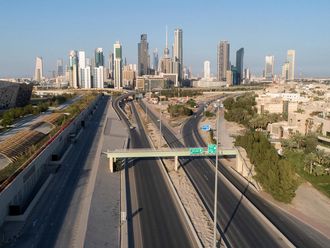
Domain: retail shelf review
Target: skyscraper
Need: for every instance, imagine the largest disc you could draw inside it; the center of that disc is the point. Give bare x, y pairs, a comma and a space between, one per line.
82, 59
178, 51
239, 64
269, 67
117, 65
111, 65
143, 56
59, 67
166, 65
82, 66
99, 58
291, 60
207, 69
285, 71
223, 60
155, 60
38, 72
74, 70
98, 77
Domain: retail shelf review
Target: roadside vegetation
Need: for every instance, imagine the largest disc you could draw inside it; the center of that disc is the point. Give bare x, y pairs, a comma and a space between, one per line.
275, 174
243, 111
191, 103
209, 114
73, 110
310, 163
178, 110
11, 115
176, 92
279, 175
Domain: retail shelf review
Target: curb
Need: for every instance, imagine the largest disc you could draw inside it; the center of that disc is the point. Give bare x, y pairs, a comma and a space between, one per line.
123, 207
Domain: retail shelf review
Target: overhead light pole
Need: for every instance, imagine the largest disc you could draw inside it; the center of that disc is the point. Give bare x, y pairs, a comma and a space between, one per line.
160, 129
217, 105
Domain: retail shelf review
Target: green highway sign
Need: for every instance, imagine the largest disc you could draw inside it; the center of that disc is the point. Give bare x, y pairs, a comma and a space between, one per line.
196, 151
211, 148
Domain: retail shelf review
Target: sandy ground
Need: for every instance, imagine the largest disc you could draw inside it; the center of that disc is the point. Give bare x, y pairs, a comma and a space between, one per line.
187, 194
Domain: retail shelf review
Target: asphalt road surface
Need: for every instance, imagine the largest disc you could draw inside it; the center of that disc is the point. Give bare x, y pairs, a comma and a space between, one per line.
153, 216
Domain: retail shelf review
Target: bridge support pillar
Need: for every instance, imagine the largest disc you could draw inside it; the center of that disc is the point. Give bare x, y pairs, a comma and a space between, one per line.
176, 163
111, 164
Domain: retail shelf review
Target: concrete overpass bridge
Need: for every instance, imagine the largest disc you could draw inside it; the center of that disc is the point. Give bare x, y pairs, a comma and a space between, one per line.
168, 152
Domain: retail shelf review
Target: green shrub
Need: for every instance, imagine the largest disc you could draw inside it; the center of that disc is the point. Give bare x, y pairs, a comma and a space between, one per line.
275, 174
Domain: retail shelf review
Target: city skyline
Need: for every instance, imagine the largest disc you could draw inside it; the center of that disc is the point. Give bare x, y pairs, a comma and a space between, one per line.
258, 41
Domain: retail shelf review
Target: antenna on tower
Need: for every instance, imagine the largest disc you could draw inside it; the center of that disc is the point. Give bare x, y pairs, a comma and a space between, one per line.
166, 37
166, 50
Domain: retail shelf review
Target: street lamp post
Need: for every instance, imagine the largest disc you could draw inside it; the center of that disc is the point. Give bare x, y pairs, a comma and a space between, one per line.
160, 129
216, 179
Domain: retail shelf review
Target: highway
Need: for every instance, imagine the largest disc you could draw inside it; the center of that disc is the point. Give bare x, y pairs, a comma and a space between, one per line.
241, 226
153, 216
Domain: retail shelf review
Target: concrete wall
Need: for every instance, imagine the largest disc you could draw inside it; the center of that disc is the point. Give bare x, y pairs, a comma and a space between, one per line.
245, 168
20, 189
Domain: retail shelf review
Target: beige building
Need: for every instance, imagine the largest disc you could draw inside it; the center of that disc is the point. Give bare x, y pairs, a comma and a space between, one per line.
148, 83
128, 76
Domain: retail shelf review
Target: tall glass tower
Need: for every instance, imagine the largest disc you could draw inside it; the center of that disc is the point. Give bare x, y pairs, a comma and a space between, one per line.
117, 50
143, 56
239, 64
178, 51
223, 64
99, 58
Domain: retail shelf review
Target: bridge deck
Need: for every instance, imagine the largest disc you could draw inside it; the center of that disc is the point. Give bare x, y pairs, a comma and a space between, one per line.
178, 152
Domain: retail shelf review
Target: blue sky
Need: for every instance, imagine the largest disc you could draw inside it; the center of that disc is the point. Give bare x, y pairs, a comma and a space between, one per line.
50, 28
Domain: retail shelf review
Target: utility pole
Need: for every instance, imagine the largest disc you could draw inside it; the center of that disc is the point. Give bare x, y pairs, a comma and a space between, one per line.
216, 180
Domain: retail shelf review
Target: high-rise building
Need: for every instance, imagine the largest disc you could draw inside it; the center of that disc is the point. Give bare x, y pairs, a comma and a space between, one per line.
128, 76
155, 60
38, 72
291, 60
143, 56
74, 70
82, 59
223, 60
269, 67
99, 58
81, 66
178, 51
285, 71
235, 75
239, 64
59, 67
111, 65
87, 82
166, 65
117, 65
247, 74
98, 77
207, 69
